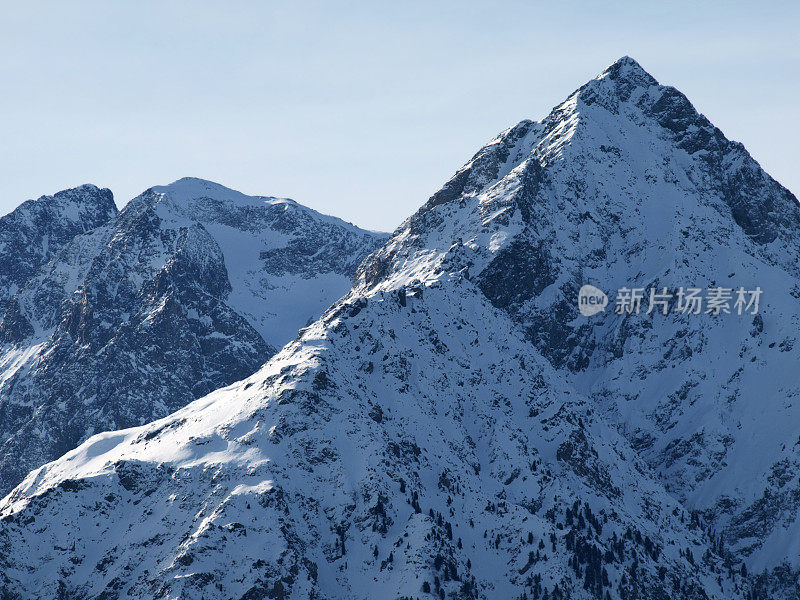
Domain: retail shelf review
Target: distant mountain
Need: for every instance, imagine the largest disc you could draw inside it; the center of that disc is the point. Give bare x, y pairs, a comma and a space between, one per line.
454, 427
191, 287
33, 233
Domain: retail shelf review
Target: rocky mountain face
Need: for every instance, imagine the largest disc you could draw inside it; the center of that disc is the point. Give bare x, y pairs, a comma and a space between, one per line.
193, 286
410, 443
625, 185
454, 427
33, 233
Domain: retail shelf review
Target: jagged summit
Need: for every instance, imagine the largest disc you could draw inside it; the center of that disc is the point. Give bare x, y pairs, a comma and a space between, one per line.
620, 130
86, 195
629, 70
588, 116
37, 230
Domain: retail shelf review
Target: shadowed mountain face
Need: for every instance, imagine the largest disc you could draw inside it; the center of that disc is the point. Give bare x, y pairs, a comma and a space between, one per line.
192, 287
453, 427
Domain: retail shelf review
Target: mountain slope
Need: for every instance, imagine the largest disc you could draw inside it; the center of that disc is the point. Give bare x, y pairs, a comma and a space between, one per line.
626, 185
411, 440
192, 287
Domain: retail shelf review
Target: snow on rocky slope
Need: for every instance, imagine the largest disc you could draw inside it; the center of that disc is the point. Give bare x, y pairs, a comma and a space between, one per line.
410, 443
625, 185
191, 287
33, 233
454, 427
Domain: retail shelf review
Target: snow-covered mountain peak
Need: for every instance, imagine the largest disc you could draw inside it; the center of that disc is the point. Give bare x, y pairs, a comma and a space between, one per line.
628, 68
68, 205
626, 185
38, 229
195, 199
192, 286
192, 188
627, 71
453, 426
87, 194
623, 152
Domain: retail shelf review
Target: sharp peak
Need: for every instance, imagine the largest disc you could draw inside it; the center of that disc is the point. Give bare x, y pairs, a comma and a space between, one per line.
627, 69
622, 80
619, 80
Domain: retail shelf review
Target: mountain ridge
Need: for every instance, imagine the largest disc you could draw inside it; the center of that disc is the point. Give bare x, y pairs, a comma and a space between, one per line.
171, 299
327, 515
451, 426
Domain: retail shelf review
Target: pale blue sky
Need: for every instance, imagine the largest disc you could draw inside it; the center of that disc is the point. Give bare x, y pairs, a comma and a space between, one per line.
358, 109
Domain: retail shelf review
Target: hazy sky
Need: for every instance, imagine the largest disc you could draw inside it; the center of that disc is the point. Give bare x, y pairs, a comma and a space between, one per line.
359, 109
